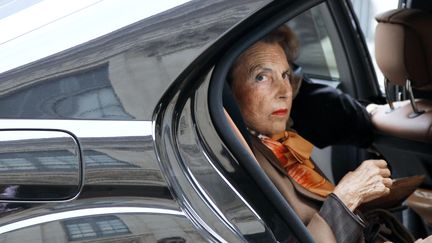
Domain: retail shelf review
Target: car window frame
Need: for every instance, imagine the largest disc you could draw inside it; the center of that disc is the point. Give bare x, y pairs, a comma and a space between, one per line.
362, 84
353, 51
253, 33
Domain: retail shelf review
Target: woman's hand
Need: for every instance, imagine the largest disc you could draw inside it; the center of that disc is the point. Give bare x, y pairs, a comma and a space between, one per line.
368, 182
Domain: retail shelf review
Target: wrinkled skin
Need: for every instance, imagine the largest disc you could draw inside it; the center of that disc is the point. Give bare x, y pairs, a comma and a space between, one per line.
368, 182
262, 88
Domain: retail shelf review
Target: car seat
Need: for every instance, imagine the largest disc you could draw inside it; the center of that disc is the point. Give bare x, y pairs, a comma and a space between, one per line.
403, 50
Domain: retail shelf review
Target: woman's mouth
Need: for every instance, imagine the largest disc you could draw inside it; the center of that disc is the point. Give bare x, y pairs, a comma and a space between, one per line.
280, 112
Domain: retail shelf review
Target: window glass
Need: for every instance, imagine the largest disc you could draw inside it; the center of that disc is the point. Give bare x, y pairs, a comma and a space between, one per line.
317, 57
366, 10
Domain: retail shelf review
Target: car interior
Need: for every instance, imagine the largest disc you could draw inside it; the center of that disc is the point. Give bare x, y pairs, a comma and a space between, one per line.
403, 127
402, 123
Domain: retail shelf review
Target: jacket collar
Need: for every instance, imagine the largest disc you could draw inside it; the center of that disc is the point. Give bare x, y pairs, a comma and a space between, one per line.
268, 154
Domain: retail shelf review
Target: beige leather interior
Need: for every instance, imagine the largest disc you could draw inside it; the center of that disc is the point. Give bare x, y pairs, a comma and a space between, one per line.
403, 50
403, 47
400, 122
421, 202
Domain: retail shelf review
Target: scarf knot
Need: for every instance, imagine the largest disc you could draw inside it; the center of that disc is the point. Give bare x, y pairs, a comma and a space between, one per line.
294, 155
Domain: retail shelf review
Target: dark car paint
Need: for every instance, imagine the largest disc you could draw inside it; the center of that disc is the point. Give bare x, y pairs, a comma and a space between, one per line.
140, 55
171, 170
133, 190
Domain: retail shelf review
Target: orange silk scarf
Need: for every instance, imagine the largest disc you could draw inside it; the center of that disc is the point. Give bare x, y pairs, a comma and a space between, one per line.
293, 153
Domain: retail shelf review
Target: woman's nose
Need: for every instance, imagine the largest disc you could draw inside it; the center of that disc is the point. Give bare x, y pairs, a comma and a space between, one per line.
284, 89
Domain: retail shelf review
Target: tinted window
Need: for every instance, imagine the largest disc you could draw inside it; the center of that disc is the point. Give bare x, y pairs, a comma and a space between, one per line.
366, 12
317, 56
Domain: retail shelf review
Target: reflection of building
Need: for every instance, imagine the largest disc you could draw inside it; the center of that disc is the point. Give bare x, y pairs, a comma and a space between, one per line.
94, 227
85, 95
60, 160
53, 161
140, 166
106, 228
121, 75
118, 76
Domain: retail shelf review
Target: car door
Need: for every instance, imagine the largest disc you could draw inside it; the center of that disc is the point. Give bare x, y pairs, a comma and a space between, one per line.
79, 159
336, 58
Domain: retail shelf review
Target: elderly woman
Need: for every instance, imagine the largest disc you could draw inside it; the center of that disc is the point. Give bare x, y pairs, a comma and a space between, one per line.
262, 82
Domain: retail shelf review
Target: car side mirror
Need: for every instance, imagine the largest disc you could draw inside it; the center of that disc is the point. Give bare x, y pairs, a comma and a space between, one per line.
39, 165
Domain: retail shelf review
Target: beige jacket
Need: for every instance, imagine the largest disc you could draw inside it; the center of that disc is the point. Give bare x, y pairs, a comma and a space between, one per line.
306, 204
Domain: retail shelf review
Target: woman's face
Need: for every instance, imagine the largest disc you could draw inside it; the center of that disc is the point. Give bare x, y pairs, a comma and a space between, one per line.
262, 88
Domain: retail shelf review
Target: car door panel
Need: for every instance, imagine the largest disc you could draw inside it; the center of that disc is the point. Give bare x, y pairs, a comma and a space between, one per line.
39, 165
105, 93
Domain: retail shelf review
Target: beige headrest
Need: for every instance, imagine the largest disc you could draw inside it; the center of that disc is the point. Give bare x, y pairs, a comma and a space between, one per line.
403, 47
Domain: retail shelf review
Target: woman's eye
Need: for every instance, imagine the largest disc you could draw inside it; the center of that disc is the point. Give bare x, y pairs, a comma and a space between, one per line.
286, 76
261, 78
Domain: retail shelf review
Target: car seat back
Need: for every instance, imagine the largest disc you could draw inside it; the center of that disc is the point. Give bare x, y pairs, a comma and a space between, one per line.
403, 50
403, 47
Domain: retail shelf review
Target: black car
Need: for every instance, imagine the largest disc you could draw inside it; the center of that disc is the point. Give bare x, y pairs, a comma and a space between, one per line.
125, 138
